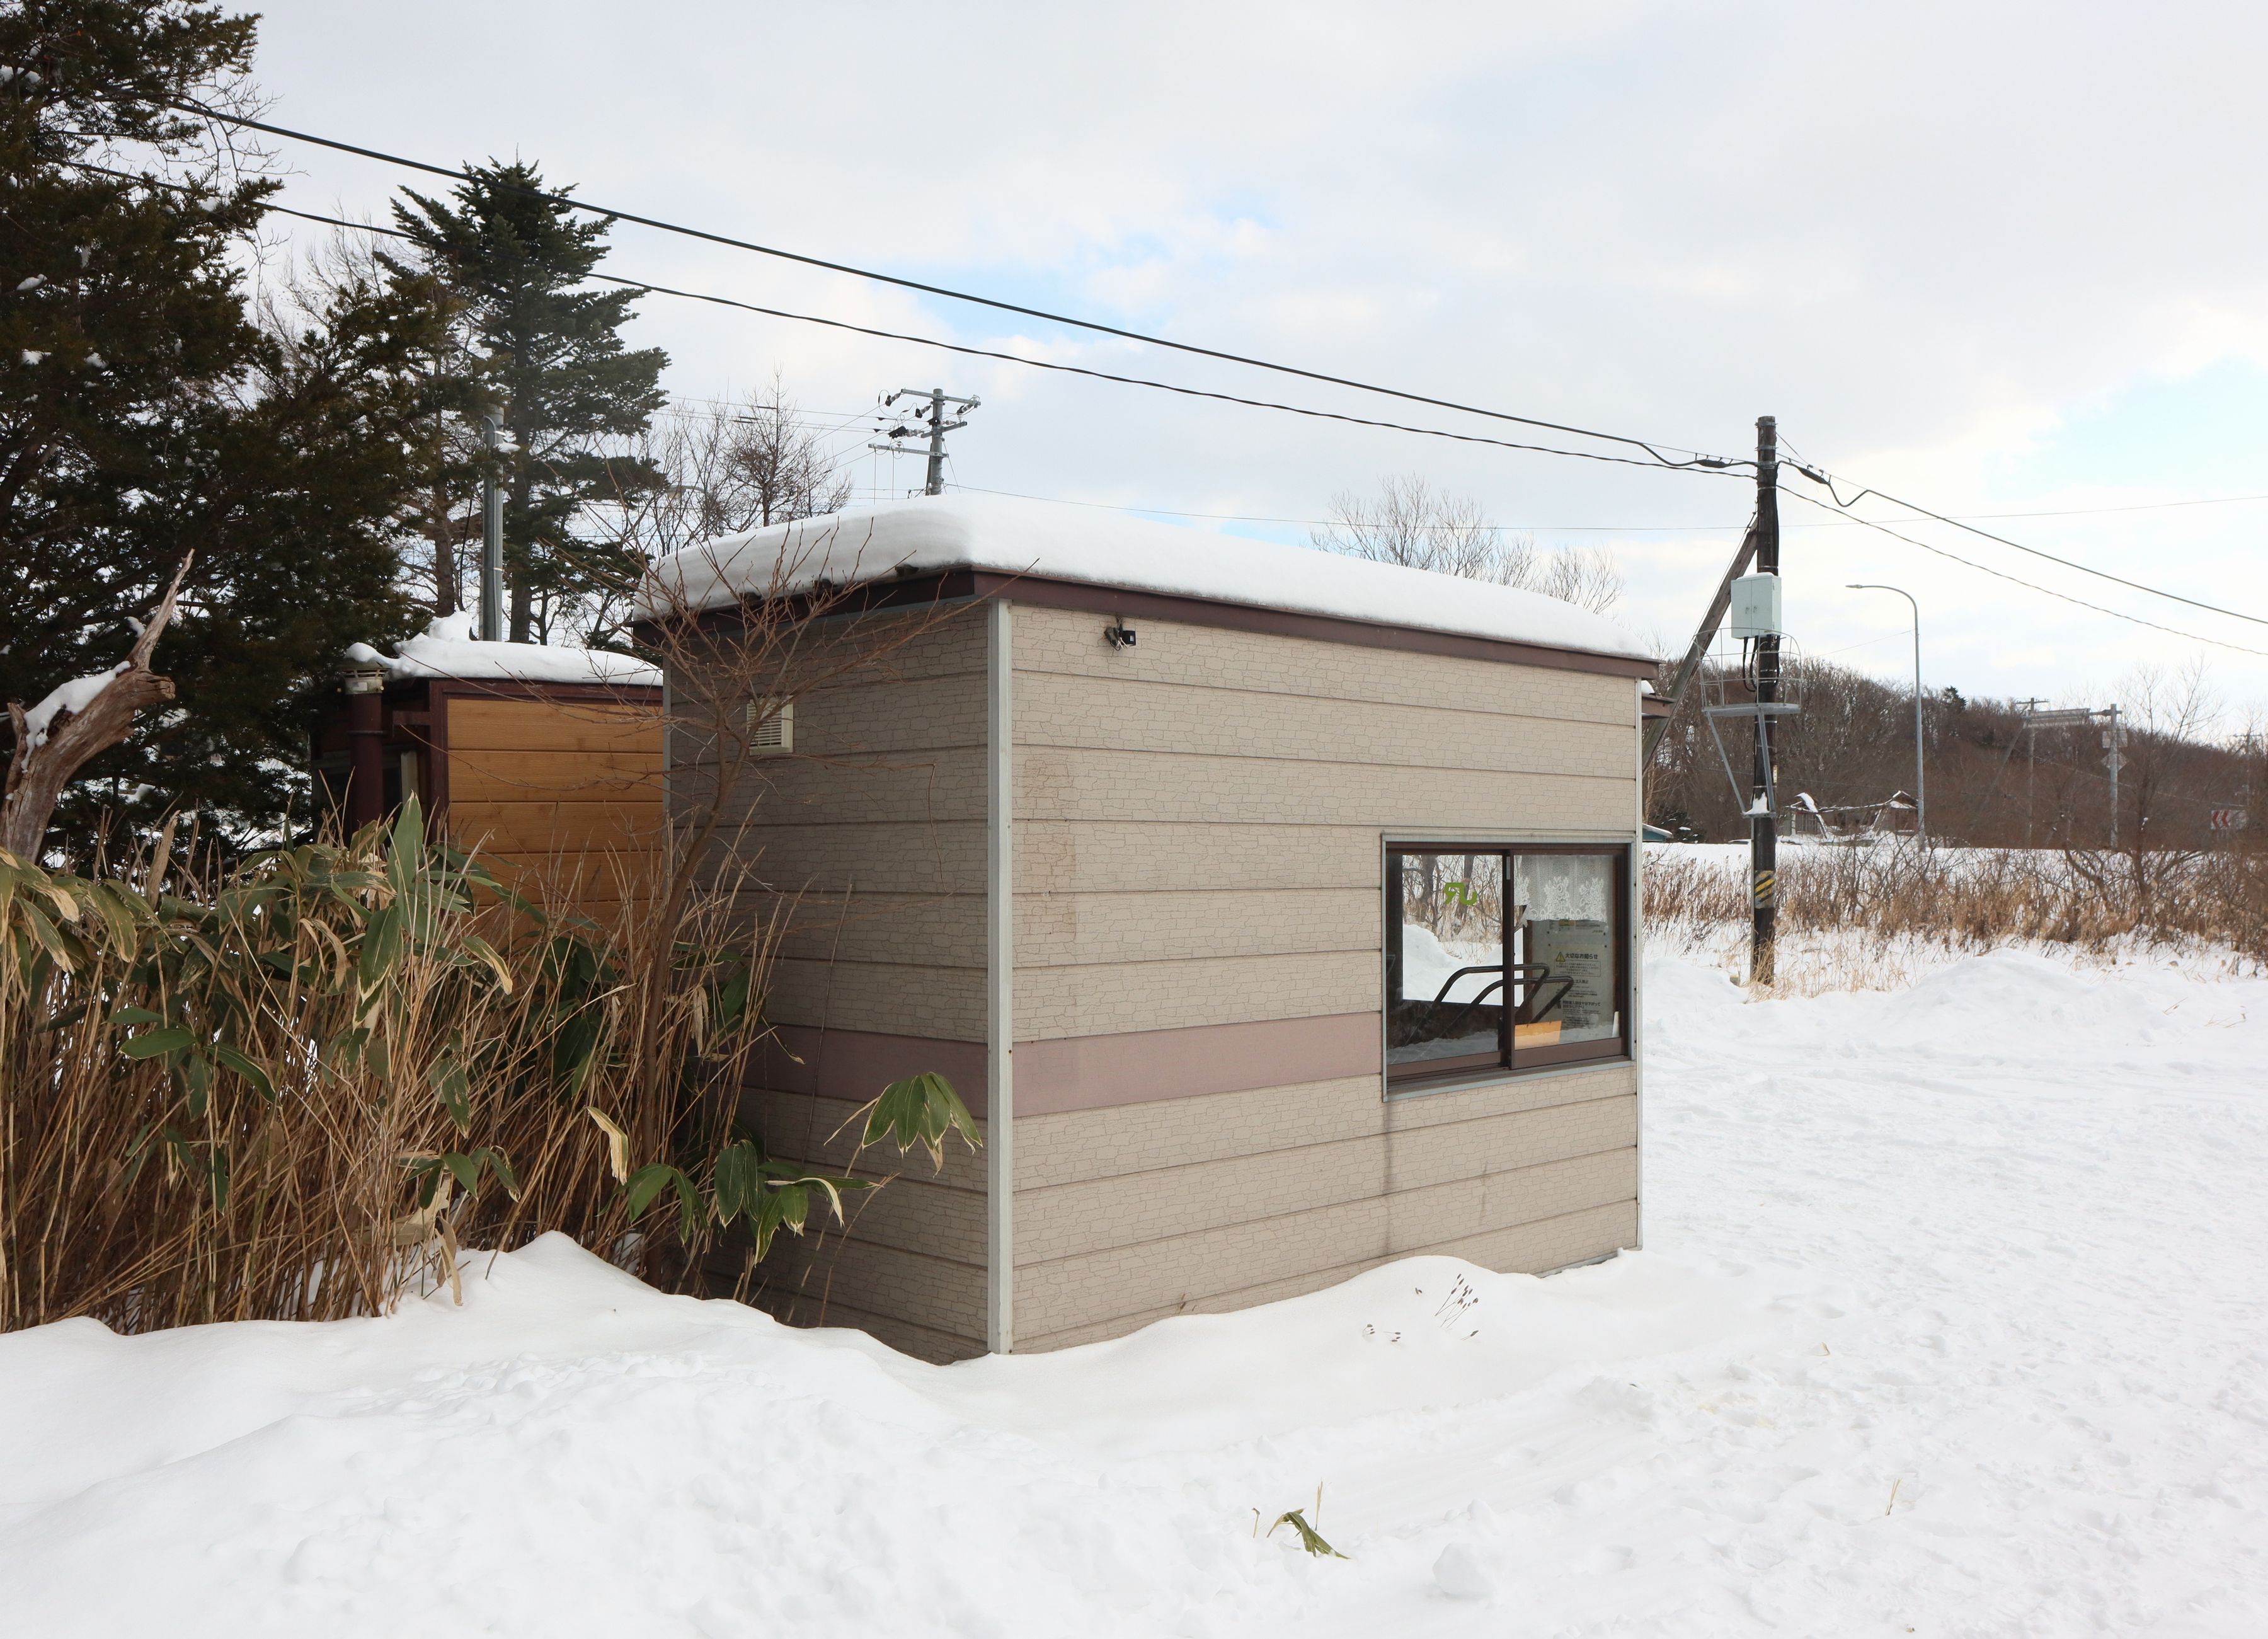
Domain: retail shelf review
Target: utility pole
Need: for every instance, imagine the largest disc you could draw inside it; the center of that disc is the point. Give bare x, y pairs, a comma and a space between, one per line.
1763, 834
2031, 763
491, 535
2113, 738
933, 413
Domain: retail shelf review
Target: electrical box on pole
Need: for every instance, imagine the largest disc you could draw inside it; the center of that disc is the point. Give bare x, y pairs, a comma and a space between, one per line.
1755, 607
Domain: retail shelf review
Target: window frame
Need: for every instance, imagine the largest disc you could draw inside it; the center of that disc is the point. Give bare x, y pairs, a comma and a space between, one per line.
1511, 1060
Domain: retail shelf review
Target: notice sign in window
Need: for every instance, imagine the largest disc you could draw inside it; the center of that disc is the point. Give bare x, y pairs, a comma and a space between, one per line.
1502, 957
1583, 953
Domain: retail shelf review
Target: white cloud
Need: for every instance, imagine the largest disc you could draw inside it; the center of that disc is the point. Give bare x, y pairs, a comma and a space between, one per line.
1943, 243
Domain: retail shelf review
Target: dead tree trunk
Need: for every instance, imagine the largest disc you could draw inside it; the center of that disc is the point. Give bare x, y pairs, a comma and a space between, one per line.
38, 773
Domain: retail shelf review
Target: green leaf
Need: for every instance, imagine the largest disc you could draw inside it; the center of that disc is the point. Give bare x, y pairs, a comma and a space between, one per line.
732, 997
575, 1049
405, 858
465, 1169
740, 1180
921, 1110
381, 946
136, 1016
248, 1068
646, 1183
173, 1038
196, 1072
479, 951
453, 1088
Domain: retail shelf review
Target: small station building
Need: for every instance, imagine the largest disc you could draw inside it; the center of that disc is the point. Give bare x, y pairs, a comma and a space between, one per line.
1273, 911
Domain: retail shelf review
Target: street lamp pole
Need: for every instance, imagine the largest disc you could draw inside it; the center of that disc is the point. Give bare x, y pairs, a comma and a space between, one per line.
1921, 786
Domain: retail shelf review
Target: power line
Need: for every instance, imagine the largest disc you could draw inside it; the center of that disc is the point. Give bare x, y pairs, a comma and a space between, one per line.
1706, 467
1598, 528
2030, 586
1651, 447
1820, 476
1707, 464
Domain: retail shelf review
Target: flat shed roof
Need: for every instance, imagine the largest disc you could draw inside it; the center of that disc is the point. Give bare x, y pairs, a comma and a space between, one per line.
935, 534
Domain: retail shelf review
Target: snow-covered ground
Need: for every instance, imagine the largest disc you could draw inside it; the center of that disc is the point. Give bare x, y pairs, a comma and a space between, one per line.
1954, 1320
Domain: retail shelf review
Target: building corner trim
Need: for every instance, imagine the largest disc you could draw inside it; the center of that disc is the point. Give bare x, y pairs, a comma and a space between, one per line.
1636, 959
999, 980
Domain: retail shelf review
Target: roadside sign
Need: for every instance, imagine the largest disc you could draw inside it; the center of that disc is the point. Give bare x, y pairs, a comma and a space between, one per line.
2230, 819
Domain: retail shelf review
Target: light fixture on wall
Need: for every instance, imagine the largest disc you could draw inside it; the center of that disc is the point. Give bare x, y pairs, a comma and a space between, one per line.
1121, 635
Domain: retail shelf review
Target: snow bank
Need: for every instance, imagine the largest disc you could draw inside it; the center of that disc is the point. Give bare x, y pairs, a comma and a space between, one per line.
931, 533
448, 649
1949, 1323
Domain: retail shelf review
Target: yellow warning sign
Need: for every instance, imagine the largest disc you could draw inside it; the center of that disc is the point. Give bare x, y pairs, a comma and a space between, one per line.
1763, 891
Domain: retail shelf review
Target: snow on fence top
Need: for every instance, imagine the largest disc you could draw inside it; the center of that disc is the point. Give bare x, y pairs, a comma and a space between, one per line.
448, 649
931, 533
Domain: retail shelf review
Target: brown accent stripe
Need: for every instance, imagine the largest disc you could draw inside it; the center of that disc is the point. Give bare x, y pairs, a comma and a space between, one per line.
1142, 1067
1078, 1071
857, 1065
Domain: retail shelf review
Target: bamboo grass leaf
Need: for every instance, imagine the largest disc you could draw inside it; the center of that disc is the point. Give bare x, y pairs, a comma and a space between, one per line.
921, 1110
618, 1148
173, 1038
1309, 1538
246, 1067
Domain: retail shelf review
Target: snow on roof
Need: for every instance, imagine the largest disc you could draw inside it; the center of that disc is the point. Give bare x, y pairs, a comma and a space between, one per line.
448, 649
930, 534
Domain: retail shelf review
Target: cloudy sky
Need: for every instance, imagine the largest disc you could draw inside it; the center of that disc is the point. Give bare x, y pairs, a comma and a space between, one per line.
2003, 260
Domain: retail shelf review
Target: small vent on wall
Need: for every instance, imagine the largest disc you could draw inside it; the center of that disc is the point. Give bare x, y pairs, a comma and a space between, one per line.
771, 726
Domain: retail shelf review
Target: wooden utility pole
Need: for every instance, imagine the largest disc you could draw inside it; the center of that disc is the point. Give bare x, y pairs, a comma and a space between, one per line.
1763, 834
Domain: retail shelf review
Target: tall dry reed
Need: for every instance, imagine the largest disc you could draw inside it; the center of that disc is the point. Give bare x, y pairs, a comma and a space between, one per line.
1971, 899
280, 1090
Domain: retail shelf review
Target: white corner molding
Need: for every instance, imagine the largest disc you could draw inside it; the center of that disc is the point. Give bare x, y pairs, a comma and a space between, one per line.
999, 980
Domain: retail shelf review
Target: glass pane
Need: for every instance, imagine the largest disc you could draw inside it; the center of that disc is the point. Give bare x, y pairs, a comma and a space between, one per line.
1445, 960
1566, 974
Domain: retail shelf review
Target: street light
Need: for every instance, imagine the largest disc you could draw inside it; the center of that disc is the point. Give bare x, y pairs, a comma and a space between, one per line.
1921, 786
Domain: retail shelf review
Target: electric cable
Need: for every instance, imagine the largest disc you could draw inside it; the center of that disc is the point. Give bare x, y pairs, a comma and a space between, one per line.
1651, 447
2032, 586
1705, 465
1820, 476
1601, 528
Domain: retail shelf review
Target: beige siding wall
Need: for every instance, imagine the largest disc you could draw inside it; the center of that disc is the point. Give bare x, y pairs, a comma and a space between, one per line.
1198, 823
1199, 820
874, 826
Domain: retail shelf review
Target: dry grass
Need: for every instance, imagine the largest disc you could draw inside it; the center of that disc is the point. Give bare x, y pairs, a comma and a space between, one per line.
1874, 918
272, 1092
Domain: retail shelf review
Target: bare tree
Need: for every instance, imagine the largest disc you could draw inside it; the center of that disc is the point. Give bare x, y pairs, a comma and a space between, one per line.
2165, 758
1413, 523
736, 467
777, 466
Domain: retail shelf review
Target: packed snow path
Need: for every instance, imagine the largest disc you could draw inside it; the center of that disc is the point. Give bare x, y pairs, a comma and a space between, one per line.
1952, 1321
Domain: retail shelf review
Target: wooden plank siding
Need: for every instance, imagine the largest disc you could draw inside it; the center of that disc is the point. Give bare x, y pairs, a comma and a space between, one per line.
567, 793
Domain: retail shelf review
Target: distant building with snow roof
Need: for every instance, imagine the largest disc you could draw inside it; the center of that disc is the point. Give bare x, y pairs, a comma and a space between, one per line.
545, 760
1273, 908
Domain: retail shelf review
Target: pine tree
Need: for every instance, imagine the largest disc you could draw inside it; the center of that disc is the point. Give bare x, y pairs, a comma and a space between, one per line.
146, 413
570, 394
